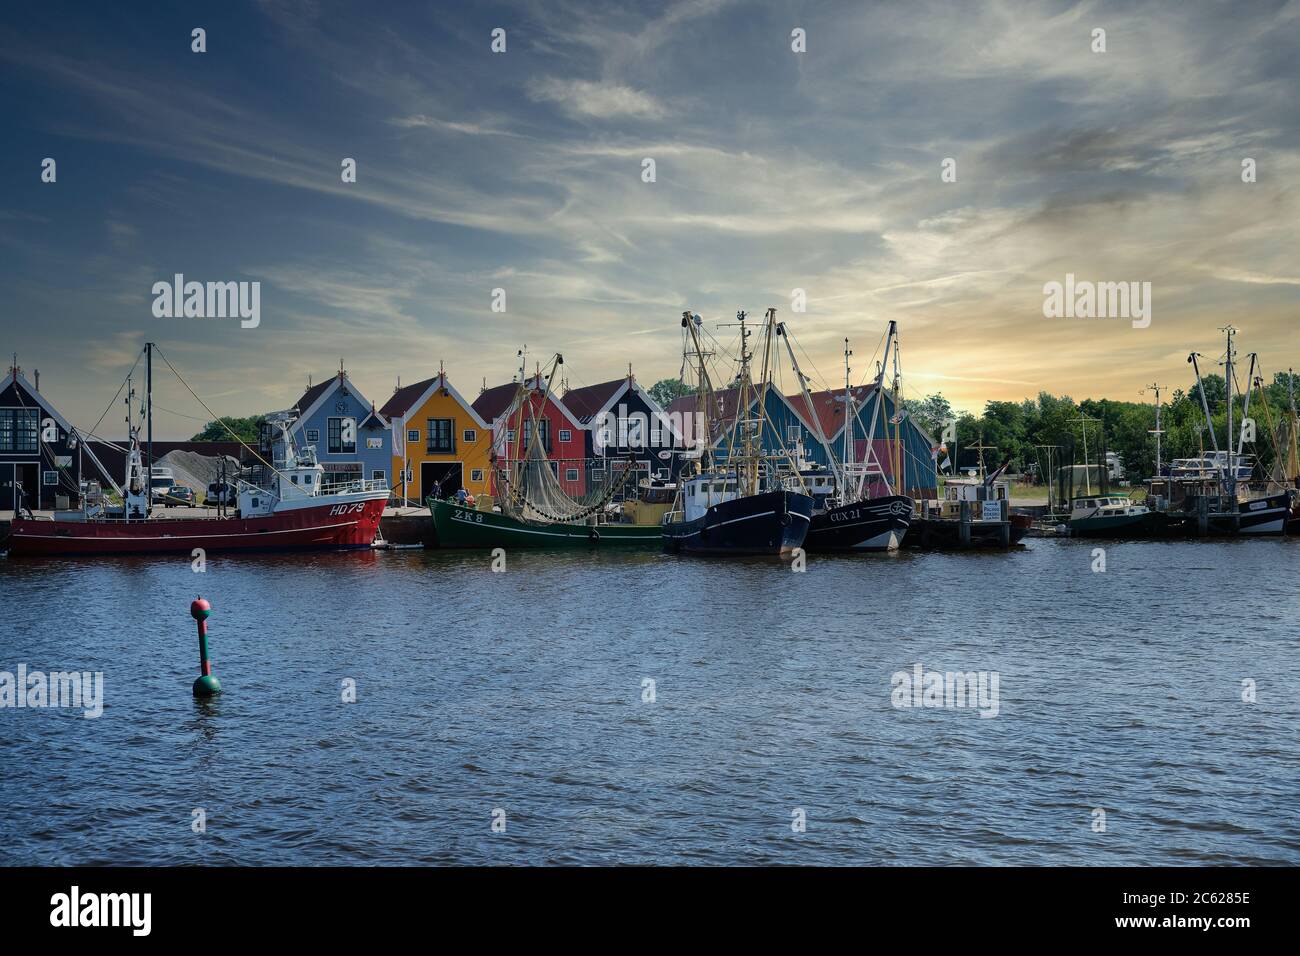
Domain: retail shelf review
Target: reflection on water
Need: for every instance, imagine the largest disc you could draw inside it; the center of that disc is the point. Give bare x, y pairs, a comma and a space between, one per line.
772, 693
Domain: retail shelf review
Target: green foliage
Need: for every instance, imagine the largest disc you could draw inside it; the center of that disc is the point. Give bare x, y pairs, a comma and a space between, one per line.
246, 428
667, 390
1020, 429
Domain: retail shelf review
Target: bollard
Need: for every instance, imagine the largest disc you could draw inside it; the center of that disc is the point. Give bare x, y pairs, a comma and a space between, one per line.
206, 685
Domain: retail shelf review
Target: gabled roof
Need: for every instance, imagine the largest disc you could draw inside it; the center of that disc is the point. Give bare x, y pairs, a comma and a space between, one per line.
310, 396
724, 409
16, 377
412, 397
492, 402
318, 394
590, 400
828, 406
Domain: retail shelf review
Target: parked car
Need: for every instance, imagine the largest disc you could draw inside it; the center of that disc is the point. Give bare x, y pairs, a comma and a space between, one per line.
160, 484
219, 494
181, 495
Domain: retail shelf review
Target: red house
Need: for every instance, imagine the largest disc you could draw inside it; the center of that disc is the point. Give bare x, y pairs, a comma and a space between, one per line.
562, 434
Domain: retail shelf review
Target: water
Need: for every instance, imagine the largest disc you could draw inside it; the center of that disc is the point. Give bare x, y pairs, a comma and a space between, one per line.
523, 691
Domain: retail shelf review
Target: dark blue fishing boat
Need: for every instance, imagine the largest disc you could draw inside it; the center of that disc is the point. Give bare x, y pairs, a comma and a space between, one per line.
732, 496
717, 520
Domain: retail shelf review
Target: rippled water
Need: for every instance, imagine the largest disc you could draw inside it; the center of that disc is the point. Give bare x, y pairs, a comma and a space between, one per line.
523, 691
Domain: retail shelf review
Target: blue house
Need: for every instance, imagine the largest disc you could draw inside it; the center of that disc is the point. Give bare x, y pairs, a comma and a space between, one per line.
785, 429
352, 440
886, 446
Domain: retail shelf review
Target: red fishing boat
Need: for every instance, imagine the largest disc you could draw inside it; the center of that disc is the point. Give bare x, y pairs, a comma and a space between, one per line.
281, 505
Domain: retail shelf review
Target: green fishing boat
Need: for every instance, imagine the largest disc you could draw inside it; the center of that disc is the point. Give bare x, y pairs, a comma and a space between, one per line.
532, 507
456, 526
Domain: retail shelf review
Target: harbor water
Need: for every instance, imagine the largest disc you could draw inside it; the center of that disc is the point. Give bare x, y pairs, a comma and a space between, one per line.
607, 708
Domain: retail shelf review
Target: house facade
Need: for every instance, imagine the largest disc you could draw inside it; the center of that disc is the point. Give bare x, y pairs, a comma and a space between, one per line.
621, 421
894, 448
785, 429
351, 439
562, 435
39, 457
440, 443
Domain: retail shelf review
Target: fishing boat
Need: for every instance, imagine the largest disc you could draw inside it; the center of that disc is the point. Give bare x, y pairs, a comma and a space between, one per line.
1216, 494
846, 517
284, 508
1109, 516
737, 499
531, 507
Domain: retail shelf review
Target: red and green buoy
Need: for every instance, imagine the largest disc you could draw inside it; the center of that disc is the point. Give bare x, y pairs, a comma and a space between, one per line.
206, 685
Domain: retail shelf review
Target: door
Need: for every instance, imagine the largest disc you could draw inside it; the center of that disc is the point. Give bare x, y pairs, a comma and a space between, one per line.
440, 479
24, 477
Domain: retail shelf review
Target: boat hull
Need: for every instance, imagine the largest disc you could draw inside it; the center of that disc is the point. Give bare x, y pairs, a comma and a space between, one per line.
774, 522
329, 526
458, 527
1150, 524
877, 524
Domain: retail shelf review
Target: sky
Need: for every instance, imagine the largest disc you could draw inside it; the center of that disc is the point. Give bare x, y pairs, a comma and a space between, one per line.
523, 170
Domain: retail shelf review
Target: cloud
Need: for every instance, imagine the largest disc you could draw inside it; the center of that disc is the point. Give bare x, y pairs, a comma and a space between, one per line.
598, 100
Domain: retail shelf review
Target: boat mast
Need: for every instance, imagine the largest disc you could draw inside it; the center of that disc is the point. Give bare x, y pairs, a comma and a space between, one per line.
1245, 407
148, 390
1157, 431
837, 472
1229, 331
703, 393
747, 459
1087, 468
900, 482
1205, 404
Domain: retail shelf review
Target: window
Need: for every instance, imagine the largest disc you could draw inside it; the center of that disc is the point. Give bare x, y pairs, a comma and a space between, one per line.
793, 433
19, 428
306, 479
294, 479
413, 436
469, 436
313, 436
510, 435
51, 477
337, 446
543, 429
570, 474
442, 439
566, 435
377, 475
662, 473
476, 474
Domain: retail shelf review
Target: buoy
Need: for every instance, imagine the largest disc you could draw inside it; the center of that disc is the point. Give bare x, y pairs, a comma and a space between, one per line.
206, 685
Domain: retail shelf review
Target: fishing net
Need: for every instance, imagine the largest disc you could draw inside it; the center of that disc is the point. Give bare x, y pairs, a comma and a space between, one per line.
535, 492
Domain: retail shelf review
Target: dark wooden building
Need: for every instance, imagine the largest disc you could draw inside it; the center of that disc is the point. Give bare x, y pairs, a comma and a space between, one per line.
39, 460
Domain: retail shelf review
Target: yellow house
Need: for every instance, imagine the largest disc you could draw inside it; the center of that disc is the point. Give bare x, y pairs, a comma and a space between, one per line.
440, 444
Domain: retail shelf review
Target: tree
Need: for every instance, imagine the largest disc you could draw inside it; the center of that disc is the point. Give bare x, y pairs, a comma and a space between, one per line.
667, 390
247, 429
932, 414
